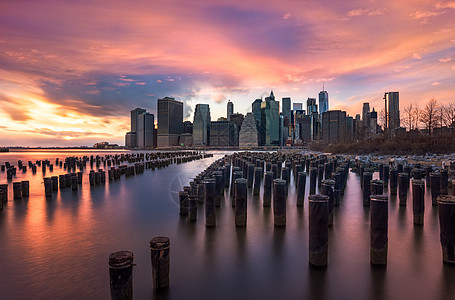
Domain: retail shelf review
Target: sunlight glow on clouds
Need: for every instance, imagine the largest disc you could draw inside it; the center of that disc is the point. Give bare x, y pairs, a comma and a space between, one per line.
71, 71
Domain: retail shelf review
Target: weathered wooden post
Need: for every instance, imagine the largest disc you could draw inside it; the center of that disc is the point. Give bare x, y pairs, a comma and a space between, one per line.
74, 184
257, 180
379, 222
219, 182
25, 185
183, 201
17, 190
236, 175
275, 171
377, 187
327, 189
446, 207
240, 202
4, 194
318, 230
279, 202
313, 178
403, 179
453, 187
192, 208
161, 262
418, 201
210, 196
267, 194
444, 181
301, 182
435, 179
250, 175
367, 176
48, 187
386, 176
393, 181
121, 275
337, 192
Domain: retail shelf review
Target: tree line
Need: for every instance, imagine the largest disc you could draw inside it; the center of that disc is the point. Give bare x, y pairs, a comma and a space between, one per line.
432, 115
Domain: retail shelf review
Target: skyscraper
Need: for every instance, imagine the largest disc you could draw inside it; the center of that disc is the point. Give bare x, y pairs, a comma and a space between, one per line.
270, 117
145, 128
170, 121
230, 109
323, 101
201, 125
134, 116
311, 106
286, 108
256, 108
223, 134
297, 106
334, 126
392, 113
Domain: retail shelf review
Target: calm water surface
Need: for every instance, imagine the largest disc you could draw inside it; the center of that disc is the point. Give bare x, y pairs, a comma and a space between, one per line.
58, 248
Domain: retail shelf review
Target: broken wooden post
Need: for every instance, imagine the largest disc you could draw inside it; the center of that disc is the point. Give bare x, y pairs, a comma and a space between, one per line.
279, 202
267, 194
403, 180
210, 196
121, 275
160, 256
241, 192
379, 218
318, 230
418, 201
301, 182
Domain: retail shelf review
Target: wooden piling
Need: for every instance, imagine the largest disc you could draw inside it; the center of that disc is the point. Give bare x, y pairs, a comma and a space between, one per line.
279, 202
418, 201
318, 230
301, 182
210, 195
240, 202
267, 194
403, 179
121, 275
379, 216
446, 207
17, 190
435, 186
160, 257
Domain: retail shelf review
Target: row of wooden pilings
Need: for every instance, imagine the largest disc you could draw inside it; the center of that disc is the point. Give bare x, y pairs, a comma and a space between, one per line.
142, 161
397, 178
121, 269
242, 171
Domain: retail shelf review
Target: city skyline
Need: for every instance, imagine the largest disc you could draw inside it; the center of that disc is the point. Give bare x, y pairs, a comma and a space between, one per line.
71, 71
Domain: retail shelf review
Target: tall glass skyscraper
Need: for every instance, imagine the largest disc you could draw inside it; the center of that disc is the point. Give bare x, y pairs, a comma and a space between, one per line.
201, 125
145, 127
270, 117
230, 109
323, 101
392, 109
256, 109
170, 121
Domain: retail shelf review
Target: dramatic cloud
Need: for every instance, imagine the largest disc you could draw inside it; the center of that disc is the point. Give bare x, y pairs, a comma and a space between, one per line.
69, 68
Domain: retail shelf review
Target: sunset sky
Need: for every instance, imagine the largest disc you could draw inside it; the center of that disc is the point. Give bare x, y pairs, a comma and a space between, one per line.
70, 71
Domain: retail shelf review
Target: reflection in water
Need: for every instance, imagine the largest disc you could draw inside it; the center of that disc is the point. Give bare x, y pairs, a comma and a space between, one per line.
58, 247
378, 288
317, 283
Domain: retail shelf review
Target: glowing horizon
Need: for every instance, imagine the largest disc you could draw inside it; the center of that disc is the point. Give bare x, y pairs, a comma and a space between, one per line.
71, 72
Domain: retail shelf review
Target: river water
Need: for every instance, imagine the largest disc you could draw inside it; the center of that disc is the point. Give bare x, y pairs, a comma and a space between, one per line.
58, 248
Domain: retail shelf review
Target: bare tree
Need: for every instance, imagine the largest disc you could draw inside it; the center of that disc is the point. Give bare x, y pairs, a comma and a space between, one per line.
416, 116
428, 115
449, 115
407, 117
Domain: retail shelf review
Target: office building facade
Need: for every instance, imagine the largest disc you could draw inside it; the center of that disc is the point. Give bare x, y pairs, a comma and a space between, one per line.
170, 122
201, 125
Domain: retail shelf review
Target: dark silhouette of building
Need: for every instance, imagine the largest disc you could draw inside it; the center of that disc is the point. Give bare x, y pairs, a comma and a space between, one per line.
170, 121
223, 134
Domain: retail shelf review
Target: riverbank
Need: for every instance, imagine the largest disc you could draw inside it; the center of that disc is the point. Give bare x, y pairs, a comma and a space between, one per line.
399, 146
